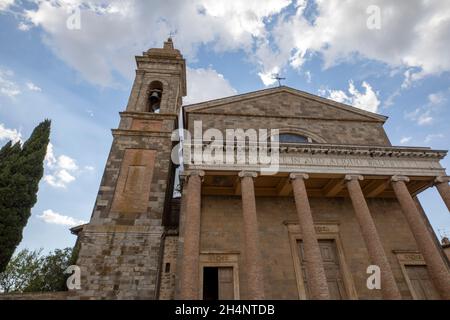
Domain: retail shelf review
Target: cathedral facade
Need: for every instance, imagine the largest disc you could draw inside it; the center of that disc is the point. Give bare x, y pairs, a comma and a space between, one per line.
332, 214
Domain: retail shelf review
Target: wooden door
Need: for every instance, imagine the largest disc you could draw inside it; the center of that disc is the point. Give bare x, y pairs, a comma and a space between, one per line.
226, 283
332, 268
421, 283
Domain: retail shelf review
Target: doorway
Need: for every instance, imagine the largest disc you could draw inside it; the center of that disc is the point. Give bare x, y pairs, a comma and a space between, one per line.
218, 283
331, 264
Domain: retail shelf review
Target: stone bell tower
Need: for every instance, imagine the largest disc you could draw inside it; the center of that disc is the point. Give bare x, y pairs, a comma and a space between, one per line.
121, 247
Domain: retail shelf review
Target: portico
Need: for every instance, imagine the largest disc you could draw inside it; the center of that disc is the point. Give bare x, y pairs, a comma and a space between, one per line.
328, 172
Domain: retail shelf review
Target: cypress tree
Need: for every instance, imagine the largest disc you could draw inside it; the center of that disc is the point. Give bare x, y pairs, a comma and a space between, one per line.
4, 151
21, 169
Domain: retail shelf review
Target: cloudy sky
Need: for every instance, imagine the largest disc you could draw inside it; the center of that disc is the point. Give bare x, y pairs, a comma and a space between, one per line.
72, 61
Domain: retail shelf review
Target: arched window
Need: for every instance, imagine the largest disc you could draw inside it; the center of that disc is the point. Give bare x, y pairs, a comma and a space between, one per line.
293, 138
155, 92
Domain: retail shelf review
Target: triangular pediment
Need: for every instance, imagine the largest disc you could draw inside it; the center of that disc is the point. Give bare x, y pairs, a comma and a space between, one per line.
283, 101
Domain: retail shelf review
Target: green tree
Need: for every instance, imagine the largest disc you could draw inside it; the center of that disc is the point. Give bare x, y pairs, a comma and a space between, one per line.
21, 169
30, 271
20, 271
51, 275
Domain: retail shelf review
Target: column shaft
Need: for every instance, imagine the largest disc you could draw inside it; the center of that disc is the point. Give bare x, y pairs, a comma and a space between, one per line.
317, 280
255, 279
369, 232
444, 190
189, 278
436, 266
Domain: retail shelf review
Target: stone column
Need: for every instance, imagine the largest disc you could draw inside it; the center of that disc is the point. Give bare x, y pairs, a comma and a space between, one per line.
189, 277
437, 268
369, 232
444, 189
317, 280
255, 279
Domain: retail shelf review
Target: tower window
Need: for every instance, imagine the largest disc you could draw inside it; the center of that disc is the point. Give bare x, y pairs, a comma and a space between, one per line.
155, 92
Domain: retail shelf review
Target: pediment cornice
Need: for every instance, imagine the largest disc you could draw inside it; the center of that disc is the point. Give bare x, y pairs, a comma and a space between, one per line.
205, 107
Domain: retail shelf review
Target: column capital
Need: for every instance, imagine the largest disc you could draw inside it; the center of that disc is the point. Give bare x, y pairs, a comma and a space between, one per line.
350, 177
184, 177
442, 179
400, 178
298, 175
250, 174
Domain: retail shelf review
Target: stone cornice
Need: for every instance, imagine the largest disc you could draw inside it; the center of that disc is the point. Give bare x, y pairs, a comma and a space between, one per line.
351, 150
231, 114
256, 94
326, 159
398, 152
140, 133
148, 115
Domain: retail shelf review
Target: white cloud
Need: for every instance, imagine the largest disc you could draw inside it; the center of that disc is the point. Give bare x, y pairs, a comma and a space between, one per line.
61, 169
59, 179
413, 34
206, 84
308, 76
50, 158
24, 26
8, 87
67, 163
436, 98
367, 100
5, 4
420, 115
425, 119
432, 137
49, 216
426, 114
405, 140
112, 31
10, 134
32, 87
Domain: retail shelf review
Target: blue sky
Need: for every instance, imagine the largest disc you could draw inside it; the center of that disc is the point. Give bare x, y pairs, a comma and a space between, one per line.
80, 78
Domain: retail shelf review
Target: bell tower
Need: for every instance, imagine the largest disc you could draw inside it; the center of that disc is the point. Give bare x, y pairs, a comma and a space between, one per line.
120, 248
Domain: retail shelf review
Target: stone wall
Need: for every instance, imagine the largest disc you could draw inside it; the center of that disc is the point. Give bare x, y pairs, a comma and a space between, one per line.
169, 268
119, 262
63, 295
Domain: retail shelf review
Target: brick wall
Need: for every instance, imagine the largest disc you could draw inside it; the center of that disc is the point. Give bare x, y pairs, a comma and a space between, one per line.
285, 110
222, 231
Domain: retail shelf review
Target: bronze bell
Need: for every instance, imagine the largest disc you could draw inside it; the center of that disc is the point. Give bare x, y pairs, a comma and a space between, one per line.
155, 99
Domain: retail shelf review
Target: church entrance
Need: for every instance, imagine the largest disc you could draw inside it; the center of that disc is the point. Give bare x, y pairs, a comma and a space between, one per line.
218, 283
332, 268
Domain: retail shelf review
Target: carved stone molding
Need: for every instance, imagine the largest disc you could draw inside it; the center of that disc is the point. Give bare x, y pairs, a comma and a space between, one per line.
350, 177
250, 174
400, 178
335, 159
184, 177
299, 175
442, 179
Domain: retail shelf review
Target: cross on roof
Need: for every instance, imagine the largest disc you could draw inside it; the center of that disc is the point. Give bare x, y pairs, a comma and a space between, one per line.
172, 33
276, 76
